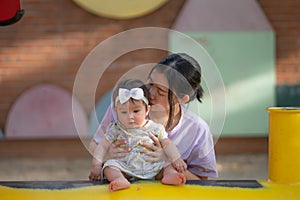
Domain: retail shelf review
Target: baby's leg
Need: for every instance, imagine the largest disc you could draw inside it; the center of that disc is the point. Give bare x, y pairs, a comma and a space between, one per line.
172, 177
116, 178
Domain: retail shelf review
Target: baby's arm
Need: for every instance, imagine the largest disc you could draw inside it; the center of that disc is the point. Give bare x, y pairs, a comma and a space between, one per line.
173, 155
97, 160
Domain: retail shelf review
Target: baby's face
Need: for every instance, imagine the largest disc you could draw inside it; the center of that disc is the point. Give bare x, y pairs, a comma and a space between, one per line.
132, 114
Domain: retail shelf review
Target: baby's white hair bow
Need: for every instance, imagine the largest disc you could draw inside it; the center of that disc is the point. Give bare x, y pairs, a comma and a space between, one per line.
135, 93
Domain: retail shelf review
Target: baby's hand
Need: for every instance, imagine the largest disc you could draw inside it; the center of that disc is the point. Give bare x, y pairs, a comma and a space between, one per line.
95, 174
179, 165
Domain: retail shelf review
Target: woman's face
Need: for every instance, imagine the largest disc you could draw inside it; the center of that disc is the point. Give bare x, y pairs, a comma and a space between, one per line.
159, 95
159, 88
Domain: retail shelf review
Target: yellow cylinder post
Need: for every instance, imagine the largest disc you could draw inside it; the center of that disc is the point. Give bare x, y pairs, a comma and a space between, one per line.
284, 145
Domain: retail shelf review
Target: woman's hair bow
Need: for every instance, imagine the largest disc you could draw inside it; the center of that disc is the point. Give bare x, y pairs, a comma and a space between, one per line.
135, 93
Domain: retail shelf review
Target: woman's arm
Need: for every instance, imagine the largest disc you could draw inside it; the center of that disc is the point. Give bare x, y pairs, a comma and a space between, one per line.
97, 160
157, 154
173, 155
170, 149
93, 146
114, 150
106, 120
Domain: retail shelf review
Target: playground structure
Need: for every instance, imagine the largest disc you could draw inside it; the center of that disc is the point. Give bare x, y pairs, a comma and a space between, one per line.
284, 165
283, 182
284, 145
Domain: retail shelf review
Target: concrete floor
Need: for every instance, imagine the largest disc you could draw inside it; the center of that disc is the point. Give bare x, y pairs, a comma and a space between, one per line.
233, 166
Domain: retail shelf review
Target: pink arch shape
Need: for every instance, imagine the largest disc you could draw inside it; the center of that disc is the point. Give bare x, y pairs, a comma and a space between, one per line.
45, 111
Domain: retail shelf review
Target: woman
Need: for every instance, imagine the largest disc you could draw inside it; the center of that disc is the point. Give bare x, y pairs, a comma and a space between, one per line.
173, 82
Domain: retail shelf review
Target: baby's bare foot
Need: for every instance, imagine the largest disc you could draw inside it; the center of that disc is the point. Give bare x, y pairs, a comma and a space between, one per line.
119, 184
174, 179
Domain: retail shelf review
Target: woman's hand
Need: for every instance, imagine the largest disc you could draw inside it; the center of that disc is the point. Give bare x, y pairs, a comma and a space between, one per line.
95, 174
179, 165
116, 150
155, 151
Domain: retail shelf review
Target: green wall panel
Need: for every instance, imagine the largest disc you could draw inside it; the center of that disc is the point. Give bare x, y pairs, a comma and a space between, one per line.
246, 63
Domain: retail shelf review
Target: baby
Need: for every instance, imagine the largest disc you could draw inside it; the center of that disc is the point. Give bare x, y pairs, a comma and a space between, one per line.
132, 106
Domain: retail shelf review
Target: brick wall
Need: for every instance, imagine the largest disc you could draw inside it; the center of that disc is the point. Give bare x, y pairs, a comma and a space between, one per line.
52, 39
284, 16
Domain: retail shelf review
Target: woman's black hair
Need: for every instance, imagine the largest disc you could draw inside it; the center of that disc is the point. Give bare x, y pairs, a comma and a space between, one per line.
183, 74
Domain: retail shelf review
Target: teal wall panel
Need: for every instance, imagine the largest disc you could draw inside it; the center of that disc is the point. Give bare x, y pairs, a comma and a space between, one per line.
246, 62
288, 95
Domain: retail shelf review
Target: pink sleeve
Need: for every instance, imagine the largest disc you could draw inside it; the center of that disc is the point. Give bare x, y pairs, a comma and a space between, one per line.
107, 119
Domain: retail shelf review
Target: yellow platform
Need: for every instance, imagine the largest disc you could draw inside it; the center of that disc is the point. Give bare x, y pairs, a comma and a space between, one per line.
155, 190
